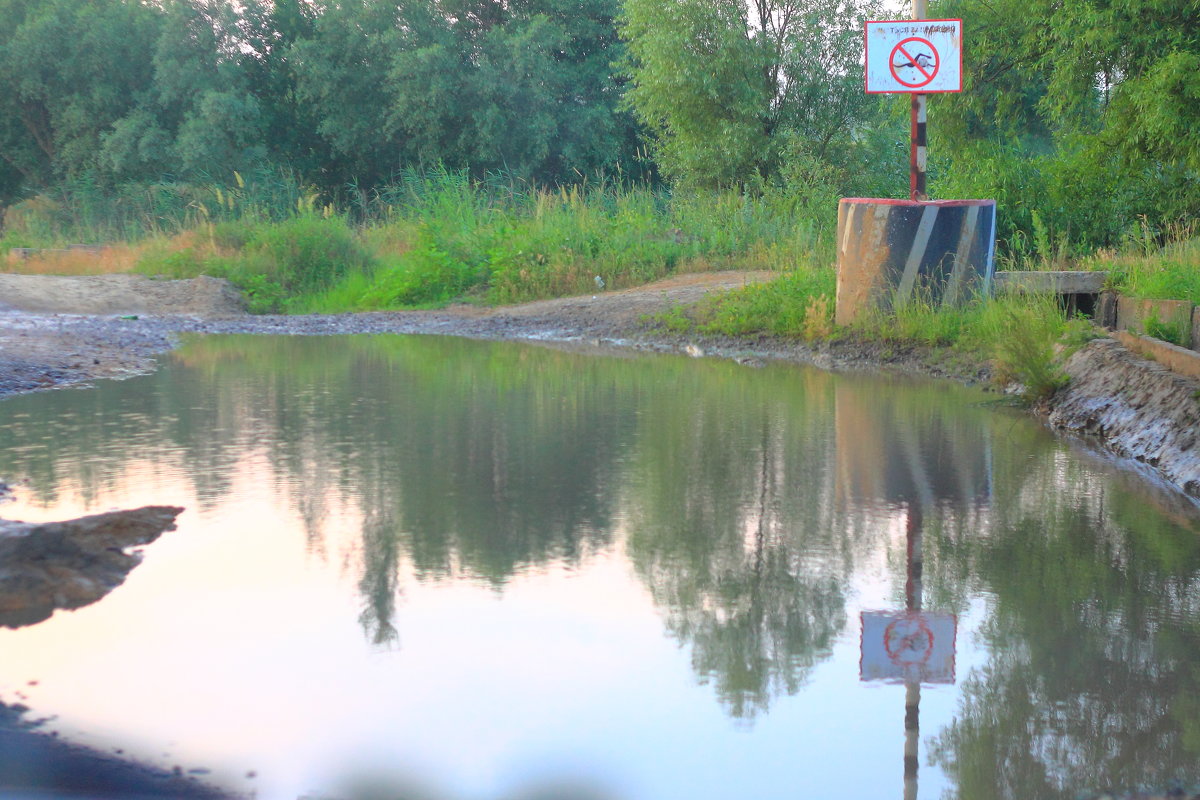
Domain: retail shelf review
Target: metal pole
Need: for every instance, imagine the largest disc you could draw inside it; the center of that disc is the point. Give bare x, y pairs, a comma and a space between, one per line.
917, 157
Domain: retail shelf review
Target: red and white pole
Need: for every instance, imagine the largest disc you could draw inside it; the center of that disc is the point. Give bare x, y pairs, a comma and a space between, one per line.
917, 156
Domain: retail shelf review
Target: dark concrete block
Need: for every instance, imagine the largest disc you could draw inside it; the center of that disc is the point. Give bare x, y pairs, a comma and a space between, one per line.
892, 252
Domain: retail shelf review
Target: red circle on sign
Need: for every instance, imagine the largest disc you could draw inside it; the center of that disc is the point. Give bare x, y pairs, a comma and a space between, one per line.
925, 73
908, 641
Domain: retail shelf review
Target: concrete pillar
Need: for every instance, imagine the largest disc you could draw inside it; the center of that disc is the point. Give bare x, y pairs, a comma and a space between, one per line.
891, 252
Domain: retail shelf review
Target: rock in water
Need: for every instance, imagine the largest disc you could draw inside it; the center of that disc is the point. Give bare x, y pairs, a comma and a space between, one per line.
52, 565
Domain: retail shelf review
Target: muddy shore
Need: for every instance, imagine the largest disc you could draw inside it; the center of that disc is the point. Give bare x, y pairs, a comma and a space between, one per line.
57, 332
60, 331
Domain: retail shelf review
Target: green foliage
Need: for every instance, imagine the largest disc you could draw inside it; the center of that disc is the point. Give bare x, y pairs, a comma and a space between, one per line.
439, 236
428, 274
71, 70
797, 304
1024, 334
82, 210
345, 93
1043, 218
1085, 112
1168, 331
727, 91
273, 263
1143, 269
525, 87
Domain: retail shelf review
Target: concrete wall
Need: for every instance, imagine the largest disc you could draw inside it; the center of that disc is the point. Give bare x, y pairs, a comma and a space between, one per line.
1133, 315
1177, 359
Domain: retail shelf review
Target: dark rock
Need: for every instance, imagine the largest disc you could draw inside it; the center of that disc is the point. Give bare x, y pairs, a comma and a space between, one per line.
67, 565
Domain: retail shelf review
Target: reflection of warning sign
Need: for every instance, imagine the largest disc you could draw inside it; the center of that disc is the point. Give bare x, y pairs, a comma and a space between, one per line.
908, 646
919, 56
914, 62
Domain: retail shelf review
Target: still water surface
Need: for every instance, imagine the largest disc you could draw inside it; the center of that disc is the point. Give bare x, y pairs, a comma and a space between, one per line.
493, 570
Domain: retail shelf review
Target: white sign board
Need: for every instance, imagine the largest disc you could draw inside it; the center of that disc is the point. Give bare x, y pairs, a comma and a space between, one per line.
904, 646
917, 56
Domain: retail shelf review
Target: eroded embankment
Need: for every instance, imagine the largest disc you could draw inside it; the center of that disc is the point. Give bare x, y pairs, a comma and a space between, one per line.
1136, 408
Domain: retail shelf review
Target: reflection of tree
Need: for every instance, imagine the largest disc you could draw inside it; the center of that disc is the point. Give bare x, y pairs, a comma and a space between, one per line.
380, 580
1095, 669
465, 459
461, 458
732, 530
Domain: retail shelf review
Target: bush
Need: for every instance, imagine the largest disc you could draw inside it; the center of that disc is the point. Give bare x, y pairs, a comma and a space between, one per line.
273, 263
1025, 337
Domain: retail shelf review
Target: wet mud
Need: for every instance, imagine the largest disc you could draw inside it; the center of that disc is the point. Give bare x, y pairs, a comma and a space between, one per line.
1139, 409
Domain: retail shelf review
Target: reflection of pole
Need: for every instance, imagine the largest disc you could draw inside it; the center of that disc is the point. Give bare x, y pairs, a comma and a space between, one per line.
912, 685
916, 560
912, 736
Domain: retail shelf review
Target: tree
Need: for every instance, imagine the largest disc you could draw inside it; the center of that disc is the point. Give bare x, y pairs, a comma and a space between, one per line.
1096, 97
523, 87
71, 70
727, 88
342, 77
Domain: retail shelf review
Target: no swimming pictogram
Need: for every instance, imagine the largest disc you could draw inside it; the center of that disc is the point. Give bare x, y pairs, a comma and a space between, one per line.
908, 640
914, 62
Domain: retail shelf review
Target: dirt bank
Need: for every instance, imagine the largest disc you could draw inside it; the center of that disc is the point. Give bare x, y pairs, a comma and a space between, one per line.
1139, 409
57, 331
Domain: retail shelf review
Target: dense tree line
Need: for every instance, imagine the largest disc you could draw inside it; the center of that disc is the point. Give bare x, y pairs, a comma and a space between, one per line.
120, 90
1090, 99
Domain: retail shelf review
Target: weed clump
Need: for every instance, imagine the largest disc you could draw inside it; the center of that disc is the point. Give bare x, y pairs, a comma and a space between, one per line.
797, 304
273, 263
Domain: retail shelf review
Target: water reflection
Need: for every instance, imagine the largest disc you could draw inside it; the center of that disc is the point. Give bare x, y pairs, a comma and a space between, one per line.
761, 511
900, 454
1094, 638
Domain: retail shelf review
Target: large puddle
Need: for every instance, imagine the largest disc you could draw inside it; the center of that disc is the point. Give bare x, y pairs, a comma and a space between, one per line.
462, 569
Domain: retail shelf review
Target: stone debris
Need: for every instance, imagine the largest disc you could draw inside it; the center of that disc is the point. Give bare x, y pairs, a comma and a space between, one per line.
66, 565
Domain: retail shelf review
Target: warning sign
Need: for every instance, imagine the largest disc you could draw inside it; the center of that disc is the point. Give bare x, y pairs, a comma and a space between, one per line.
908, 646
918, 56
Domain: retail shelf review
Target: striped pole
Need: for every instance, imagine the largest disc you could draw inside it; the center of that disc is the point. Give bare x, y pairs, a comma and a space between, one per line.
917, 157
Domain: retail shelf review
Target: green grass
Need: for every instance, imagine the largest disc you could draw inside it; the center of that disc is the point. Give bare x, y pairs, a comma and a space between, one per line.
797, 304
1170, 272
439, 237
1026, 338
275, 264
